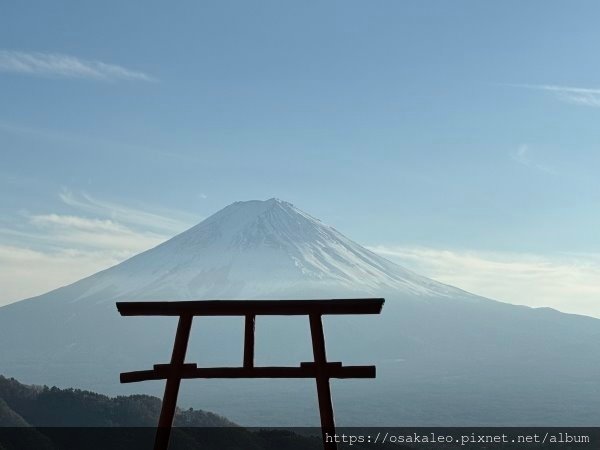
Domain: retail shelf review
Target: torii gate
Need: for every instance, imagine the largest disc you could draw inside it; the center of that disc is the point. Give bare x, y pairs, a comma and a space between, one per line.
319, 369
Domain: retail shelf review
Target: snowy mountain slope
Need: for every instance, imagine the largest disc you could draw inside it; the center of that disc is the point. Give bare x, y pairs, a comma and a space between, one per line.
255, 249
487, 362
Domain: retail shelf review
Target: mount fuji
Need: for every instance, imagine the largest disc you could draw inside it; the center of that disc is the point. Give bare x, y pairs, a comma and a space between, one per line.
444, 356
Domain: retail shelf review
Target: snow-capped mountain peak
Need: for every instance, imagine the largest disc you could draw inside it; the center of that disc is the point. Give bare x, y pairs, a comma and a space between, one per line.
255, 249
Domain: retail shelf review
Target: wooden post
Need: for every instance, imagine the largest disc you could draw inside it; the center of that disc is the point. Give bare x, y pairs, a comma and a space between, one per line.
249, 341
322, 379
167, 413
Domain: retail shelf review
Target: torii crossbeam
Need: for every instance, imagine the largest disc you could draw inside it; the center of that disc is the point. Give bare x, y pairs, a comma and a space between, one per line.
320, 369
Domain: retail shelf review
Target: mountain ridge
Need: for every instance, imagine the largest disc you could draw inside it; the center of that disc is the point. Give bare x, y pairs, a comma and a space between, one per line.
216, 259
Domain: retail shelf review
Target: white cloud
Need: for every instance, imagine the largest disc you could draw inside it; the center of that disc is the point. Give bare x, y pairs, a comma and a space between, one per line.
164, 221
40, 252
25, 272
87, 233
51, 250
60, 65
567, 282
523, 156
580, 96
569, 94
78, 222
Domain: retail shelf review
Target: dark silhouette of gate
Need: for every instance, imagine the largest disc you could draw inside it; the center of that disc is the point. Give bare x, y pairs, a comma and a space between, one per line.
320, 369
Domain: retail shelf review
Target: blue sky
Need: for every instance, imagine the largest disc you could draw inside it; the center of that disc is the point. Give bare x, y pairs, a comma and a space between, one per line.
458, 138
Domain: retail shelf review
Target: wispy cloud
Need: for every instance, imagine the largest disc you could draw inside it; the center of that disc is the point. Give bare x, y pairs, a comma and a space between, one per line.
523, 156
39, 252
80, 223
50, 250
94, 234
569, 94
60, 65
26, 272
567, 282
166, 221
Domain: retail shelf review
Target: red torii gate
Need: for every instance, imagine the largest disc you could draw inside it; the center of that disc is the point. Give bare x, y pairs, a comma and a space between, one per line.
320, 369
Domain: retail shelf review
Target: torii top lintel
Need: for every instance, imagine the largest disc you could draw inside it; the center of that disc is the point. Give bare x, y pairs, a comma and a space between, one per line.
251, 307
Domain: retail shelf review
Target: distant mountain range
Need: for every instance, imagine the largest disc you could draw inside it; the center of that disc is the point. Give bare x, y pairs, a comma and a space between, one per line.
444, 356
